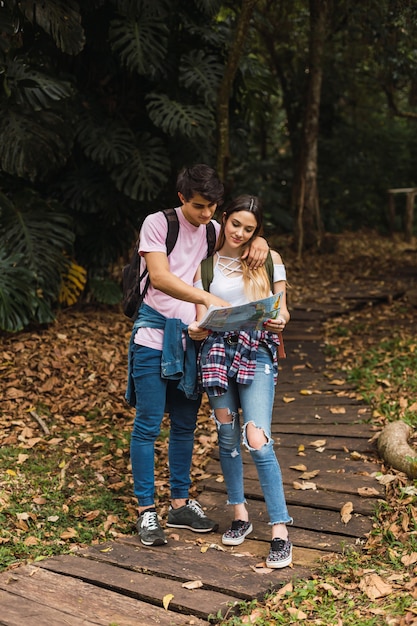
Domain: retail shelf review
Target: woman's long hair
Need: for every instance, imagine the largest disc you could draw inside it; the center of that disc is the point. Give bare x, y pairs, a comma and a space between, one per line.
255, 282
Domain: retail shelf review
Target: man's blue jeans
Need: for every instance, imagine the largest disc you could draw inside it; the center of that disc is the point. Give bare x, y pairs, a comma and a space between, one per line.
256, 401
155, 395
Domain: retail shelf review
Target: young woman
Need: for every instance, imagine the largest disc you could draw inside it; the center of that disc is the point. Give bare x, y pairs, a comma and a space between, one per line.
239, 371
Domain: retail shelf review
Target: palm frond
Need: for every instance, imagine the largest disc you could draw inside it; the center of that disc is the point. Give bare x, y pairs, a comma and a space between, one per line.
33, 147
146, 171
140, 44
202, 74
176, 118
73, 284
59, 18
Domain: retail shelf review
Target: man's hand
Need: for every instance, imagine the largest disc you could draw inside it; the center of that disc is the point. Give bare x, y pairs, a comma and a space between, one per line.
196, 333
256, 253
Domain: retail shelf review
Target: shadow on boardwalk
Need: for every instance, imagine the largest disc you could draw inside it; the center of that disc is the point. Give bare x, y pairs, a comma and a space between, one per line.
328, 460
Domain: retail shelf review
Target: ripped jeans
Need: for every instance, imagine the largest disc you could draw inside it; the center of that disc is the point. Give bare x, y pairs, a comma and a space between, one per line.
256, 401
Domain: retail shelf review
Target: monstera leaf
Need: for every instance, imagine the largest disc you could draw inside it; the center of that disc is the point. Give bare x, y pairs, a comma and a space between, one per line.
146, 171
59, 18
32, 146
141, 44
34, 238
27, 85
201, 73
109, 143
176, 118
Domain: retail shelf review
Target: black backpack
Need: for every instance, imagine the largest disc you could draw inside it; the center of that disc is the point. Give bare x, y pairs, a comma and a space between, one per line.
132, 276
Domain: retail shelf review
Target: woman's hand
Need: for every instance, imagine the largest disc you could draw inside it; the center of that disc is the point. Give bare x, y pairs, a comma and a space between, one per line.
196, 333
275, 326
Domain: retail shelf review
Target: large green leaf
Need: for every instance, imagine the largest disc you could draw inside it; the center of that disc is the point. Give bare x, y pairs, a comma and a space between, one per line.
36, 88
17, 294
146, 171
33, 146
42, 235
140, 43
202, 74
176, 118
59, 18
108, 143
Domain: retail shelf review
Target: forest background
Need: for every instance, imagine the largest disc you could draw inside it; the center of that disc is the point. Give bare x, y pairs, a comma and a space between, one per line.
310, 105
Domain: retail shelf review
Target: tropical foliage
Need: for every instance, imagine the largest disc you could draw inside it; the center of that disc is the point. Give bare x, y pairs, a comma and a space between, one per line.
103, 102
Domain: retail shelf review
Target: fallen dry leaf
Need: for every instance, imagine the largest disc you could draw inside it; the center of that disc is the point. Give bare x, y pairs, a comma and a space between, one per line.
286, 399
192, 584
304, 486
409, 559
319, 443
300, 468
166, 600
337, 410
368, 491
374, 586
345, 512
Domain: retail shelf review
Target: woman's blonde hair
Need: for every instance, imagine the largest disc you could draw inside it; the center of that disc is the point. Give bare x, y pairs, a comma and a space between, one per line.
256, 283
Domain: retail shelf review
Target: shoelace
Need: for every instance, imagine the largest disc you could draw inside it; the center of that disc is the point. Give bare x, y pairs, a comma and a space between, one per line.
194, 506
150, 520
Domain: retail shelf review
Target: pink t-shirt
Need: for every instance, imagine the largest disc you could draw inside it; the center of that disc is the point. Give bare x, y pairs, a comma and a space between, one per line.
190, 249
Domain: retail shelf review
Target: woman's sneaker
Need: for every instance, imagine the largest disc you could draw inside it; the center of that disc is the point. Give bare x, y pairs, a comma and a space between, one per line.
191, 516
237, 533
149, 529
280, 553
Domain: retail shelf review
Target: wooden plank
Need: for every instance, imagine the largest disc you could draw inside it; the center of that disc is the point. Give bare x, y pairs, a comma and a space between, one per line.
140, 586
78, 601
17, 610
338, 463
324, 415
184, 560
352, 431
332, 501
348, 484
328, 399
317, 520
333, 444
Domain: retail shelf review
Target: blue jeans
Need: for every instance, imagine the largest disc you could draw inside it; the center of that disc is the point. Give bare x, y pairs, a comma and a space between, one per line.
256, 401
154, 395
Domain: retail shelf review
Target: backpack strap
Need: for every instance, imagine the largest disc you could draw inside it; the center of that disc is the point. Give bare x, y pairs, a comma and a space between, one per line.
173, 229
206, 267
211, 238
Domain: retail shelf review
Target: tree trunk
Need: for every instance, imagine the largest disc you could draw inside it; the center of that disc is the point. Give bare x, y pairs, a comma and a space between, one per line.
394, 449
235, 52
308, 227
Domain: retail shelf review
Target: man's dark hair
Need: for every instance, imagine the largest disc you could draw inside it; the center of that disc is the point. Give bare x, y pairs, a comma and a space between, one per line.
200, 179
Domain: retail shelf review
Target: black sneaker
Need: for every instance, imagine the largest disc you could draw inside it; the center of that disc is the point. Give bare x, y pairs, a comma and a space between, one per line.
237, 533
280, 553
191, 516
149, 529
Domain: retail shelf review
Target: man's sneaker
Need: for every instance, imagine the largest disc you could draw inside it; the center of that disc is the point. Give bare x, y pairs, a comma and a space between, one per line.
150, 532
237, 533
280, 553
190, 516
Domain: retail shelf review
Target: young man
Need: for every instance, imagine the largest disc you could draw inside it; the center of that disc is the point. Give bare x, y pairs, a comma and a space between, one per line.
162, 363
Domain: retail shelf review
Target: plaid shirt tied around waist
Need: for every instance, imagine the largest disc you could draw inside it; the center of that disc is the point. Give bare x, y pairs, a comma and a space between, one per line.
213, 370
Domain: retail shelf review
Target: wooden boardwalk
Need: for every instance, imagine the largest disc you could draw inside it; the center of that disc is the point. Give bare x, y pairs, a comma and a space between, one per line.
328, 460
